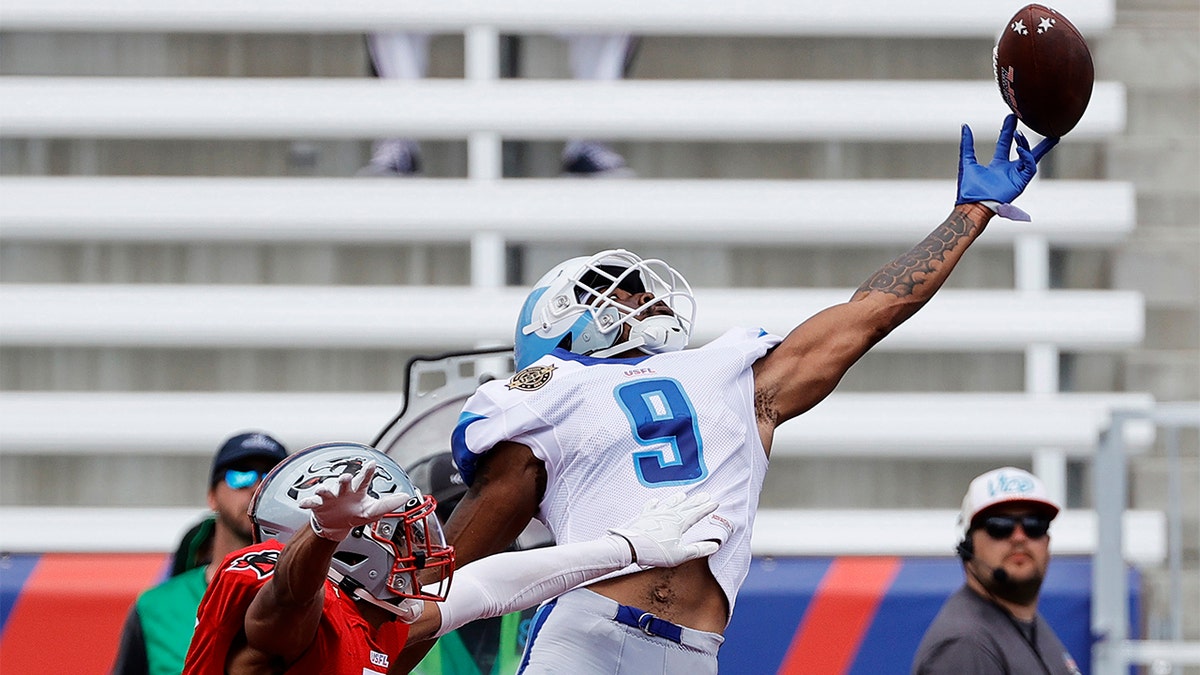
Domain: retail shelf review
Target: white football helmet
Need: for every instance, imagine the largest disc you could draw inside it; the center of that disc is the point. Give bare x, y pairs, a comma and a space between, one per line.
571, 307
379, 562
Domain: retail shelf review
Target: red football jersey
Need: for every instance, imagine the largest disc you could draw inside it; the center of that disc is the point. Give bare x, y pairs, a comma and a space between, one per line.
344, 643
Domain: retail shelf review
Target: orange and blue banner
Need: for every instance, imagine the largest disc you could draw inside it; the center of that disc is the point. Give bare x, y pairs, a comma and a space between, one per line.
846, 615
866, 615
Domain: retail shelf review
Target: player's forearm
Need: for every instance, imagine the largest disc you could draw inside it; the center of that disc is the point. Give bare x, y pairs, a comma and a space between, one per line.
303, 566
508, 582
284, 615
906, 283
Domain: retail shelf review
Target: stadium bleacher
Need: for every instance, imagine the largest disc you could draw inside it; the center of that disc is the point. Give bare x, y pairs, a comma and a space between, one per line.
1028, 318
1039, 424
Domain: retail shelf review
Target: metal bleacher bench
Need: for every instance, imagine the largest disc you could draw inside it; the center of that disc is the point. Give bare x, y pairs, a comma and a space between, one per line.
289, 108
484, 109
460, 317
1000, 425
882, 425
214, 209
934, 18
777, 532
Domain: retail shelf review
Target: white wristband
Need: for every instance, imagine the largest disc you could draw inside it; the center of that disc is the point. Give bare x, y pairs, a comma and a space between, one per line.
336, 536
1006, 210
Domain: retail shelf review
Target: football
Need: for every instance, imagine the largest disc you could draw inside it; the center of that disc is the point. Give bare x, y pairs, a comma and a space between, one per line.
1044, 70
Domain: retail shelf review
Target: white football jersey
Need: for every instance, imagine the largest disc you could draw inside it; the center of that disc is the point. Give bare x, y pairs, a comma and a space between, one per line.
614, 433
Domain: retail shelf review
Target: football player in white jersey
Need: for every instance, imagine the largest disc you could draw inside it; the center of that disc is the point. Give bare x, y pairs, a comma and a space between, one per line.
607, 409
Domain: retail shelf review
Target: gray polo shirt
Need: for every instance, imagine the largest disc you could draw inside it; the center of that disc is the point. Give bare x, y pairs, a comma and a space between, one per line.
972, 635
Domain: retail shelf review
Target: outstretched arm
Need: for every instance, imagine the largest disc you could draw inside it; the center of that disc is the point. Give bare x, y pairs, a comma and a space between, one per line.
810, 362
509, 484
282, 620
508, 582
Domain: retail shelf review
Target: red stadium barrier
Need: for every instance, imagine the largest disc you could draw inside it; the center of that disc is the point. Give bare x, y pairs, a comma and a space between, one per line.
62, 612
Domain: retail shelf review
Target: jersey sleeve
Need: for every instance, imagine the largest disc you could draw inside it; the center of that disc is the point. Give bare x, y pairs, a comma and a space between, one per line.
753, 343
223, 608
493, 414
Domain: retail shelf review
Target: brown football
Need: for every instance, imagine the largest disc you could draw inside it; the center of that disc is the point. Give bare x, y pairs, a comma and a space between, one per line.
1044, 70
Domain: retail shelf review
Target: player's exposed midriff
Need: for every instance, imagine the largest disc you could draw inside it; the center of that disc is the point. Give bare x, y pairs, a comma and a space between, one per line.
687, 595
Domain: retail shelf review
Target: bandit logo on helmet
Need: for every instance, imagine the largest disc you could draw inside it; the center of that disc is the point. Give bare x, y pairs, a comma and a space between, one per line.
318, 474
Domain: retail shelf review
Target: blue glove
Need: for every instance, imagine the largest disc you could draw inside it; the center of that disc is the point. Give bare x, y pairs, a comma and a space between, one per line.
1003, 180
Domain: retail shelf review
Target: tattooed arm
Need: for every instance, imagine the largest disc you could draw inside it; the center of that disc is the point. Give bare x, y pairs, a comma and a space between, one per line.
809, 363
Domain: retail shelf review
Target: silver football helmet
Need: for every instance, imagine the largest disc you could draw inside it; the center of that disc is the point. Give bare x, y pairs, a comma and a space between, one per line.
572, 307
379, 562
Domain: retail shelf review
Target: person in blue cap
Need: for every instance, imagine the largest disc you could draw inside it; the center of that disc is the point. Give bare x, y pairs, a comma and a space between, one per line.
158, 629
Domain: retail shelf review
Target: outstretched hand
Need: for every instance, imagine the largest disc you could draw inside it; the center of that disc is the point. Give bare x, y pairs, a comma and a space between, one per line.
344, 503
1002, 180
655, 534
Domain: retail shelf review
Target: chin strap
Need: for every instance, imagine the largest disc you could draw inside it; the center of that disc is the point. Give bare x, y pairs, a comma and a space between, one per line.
623, 347
407, 610
660, 334
652, 335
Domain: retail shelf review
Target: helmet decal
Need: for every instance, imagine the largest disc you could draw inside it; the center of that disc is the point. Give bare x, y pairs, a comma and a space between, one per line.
379, 562
318, 473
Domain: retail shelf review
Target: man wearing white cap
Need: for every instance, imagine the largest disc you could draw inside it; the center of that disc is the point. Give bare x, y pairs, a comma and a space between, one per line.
991, 625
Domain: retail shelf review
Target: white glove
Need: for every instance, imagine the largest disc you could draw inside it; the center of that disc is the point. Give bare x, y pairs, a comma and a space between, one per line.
340, 505
655, 535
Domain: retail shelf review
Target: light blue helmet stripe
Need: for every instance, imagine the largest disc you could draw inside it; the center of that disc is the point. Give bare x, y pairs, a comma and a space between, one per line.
531, 347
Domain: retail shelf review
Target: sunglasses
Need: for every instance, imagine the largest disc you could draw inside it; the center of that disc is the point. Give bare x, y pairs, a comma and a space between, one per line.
1001, 527
242, 479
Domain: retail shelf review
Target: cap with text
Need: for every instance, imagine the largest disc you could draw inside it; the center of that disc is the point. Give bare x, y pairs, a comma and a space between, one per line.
1008, 485
246, 446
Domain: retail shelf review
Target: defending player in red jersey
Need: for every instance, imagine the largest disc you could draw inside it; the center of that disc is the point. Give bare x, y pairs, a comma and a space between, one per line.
351, 564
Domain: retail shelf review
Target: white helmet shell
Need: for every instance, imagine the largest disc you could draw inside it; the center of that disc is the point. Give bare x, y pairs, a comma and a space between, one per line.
572, 307
378, 562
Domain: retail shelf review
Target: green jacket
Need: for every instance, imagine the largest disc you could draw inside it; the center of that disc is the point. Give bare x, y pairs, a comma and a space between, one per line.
159, 628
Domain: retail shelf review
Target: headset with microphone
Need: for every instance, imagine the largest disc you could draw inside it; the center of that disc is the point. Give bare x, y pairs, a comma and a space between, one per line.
966, 551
